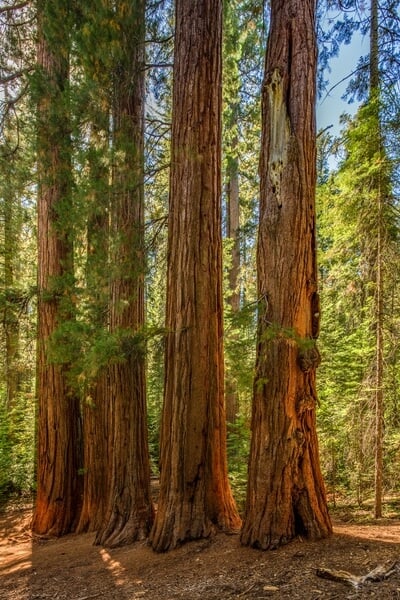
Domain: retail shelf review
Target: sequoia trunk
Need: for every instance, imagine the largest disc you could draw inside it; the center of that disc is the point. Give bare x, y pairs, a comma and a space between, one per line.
286, 495
58, 488
195, 497
96, 413
129, 513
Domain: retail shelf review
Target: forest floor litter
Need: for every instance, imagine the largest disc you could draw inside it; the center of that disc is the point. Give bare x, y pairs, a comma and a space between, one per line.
219, 568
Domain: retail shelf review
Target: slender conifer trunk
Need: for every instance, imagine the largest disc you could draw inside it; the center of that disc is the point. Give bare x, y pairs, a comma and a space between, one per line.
231, 91
11, 220
380, 189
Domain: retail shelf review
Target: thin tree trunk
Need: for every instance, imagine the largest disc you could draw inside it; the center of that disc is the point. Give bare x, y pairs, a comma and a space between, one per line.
379, 270
195, 498
286, 494
13, 298
58, 484
231, 102
129, 514
97, 417
233, 217
379, 400
233, 224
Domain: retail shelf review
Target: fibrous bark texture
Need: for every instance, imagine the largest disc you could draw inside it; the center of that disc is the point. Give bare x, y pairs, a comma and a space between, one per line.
286, 495
129, 513
58, 488
195, 497
96, 413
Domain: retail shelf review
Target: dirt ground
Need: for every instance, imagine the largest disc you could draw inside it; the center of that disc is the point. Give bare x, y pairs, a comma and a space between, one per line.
71, 568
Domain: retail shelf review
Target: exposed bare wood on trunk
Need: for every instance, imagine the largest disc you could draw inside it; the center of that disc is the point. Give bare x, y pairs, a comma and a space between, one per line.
286, 494
195, 498
58, 490
129, 512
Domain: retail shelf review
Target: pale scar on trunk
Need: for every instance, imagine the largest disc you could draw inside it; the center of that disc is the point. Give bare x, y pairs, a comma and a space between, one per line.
279, 133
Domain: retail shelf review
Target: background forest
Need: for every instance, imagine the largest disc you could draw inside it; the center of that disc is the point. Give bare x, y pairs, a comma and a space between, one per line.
358, 230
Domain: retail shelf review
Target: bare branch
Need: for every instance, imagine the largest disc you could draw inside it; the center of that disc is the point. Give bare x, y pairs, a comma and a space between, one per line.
13, 76
159, 66
7, 9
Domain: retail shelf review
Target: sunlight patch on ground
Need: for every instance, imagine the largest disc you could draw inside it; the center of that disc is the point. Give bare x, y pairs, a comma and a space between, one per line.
12, 561
381, 533
115, 567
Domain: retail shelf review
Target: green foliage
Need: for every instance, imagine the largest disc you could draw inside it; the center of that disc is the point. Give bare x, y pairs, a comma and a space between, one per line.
6, 448
16, 446
240, 330
238, 447
349, 218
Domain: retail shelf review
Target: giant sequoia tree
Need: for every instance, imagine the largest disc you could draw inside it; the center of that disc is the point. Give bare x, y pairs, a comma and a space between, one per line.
57, 501
129, 512
97, 24
195, 496
286, 493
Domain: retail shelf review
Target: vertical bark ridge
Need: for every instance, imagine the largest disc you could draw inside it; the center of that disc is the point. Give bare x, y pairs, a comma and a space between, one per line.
57, 503
129, 513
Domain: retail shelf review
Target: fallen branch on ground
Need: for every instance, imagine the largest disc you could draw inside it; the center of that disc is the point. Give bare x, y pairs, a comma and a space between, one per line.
380, 573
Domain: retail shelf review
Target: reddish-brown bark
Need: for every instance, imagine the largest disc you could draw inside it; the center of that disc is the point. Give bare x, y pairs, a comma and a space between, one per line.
58, 486
129, 513
286, 494
96, 413
195, 497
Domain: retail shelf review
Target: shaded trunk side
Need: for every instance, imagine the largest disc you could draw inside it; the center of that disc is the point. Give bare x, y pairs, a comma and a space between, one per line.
13, 300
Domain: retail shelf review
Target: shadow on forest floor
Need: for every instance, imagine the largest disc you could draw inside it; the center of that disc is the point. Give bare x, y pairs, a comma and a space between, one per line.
71, 568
